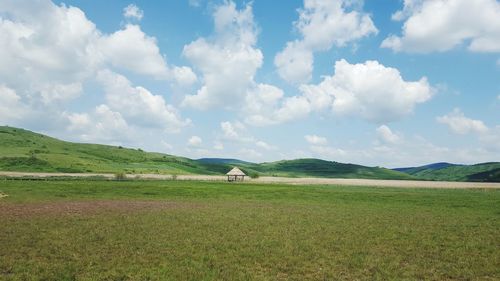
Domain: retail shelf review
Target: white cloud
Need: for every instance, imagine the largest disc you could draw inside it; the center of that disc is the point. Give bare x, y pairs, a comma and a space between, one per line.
49, 53
490, 140
167, 146
194, 3
328, 152
228, 61
10, 105
369, 90
322, 25
386, 135
229, 130
131, 49
138, 105
440, 25
459, 124
266, 105
235, 131
133, 12
184, 75
316, 140
102, 125
195, 141
60, 92
264, 145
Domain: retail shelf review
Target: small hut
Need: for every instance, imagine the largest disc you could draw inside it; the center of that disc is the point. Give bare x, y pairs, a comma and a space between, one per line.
235, 175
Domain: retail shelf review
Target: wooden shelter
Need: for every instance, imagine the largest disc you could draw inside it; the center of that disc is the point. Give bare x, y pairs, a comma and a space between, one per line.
235, 175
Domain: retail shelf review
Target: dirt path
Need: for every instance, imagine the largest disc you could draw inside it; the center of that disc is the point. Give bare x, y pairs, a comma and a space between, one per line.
302, 181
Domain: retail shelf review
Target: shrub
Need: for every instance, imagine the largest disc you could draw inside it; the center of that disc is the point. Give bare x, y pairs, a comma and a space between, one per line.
120, 176
254, 175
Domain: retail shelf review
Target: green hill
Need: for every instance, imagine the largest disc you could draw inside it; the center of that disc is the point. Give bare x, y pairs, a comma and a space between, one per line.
326, 169
22, 150
485, 172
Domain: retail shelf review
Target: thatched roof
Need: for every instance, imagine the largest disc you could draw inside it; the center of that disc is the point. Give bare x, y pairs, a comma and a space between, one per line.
235, 172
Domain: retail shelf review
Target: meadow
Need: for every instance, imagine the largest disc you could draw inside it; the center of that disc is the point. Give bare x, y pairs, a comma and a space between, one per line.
188, 230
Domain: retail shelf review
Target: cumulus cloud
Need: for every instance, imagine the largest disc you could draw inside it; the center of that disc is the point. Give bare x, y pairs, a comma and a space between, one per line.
138, 105
133, 12
440, 25
101, 125
316, 140
386, 135
233, 131
322, 25
195, 141
266, 105
228, 61
131, 49
368, 90
459, 124
11, 108
49, 52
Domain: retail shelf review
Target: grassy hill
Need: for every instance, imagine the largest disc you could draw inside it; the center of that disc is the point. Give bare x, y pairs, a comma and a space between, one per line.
485, 172
23, 150
326, 169
433, 166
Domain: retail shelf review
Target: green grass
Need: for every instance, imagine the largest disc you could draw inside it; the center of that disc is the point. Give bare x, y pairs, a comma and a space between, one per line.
22, 150
221, 231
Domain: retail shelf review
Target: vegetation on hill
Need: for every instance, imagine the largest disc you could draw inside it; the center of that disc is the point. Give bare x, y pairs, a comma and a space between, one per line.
433, 166
484, 172
23, 150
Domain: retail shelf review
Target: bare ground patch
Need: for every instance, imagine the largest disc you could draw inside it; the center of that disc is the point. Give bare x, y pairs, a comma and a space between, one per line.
86, 207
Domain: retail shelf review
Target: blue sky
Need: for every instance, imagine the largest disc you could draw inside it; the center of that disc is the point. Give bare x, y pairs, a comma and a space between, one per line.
388, 83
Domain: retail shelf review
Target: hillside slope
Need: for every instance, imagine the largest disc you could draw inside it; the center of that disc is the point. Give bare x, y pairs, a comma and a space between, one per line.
484, 172
433, 166
22, 150
327, 169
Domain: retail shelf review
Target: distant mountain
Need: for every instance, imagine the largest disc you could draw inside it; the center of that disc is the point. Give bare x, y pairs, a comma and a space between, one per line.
222, 161
23, 150
485, 172
433, 166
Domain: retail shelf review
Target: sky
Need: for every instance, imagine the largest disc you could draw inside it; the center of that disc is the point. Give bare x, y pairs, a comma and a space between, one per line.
376, 82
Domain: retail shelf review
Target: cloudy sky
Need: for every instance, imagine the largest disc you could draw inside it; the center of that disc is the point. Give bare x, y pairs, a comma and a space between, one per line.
386, 82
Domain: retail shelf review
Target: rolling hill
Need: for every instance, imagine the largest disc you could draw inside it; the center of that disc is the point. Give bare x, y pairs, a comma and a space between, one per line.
23, 150
433, 166
484, 172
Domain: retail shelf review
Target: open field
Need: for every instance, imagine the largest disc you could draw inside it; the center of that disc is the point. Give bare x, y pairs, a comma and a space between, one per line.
281, 180
189, 230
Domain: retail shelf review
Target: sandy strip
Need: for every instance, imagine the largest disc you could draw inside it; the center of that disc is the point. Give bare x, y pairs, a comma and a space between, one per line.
301, 181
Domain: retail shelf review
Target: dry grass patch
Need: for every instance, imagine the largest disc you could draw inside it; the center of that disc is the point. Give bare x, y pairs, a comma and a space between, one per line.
88, 207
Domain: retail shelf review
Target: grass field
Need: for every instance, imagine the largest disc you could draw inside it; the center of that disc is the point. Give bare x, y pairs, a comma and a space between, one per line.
173, 230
